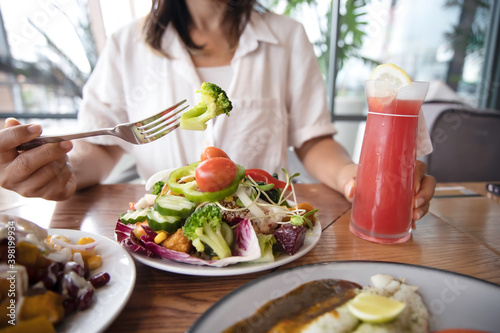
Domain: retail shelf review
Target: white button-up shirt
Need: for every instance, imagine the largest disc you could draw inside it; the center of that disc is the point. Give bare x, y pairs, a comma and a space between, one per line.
277, 92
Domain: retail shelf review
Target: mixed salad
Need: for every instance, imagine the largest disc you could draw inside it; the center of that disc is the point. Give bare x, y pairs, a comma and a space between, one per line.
215, 212
45, 278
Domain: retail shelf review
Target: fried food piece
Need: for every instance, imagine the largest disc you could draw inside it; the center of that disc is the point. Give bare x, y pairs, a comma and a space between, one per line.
178, 242
28, 254
48, 304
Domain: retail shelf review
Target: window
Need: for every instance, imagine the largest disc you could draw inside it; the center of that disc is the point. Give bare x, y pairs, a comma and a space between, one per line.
47, 53
49, 48
441, 41
116, 13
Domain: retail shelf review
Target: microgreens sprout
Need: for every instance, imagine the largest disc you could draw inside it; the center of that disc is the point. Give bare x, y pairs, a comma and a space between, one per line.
299, 219
265, 187
278, 209
260, 189
288, 184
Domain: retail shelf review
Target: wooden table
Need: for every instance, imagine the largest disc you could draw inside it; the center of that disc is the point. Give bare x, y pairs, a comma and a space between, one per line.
460, 234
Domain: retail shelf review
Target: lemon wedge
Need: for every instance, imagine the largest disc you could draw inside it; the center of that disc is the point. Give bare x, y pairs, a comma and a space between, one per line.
371, 308
391, 74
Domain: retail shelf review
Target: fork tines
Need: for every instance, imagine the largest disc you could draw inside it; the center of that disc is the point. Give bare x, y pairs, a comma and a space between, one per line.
167, 121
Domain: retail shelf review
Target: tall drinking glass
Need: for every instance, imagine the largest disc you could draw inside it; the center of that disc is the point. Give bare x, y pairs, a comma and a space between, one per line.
383, 196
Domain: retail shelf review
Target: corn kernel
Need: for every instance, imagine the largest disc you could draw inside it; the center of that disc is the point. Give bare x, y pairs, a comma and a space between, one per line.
94, 262
229, 199
160, 237
85, 240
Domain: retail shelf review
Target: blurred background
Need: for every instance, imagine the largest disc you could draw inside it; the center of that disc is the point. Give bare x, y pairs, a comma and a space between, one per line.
48, 49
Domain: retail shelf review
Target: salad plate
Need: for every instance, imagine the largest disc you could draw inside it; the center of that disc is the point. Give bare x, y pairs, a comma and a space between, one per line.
310, 242
109, 300
453, 300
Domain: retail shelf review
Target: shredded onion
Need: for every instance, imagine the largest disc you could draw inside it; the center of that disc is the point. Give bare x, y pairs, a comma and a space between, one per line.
63, 255
74, 247
249, 203
78, 258
159, 176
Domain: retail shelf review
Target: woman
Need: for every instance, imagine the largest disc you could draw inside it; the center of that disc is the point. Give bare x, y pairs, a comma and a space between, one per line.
263, 61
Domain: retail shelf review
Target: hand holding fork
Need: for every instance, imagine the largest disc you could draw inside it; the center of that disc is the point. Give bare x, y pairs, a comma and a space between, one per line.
45, 172
138, 132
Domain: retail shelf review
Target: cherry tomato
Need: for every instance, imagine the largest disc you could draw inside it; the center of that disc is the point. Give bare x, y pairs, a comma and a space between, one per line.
215, 174
210, 152
260, 175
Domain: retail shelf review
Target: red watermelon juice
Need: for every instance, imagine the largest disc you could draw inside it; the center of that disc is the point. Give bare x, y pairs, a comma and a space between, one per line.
383, 197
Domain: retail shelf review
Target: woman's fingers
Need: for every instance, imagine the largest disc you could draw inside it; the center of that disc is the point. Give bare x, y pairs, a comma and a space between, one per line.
423, 197
60, 186
420, 170
53, 181
12, 136
31, 161
347, 177
39, 172
424, 191
10, 122
349, 189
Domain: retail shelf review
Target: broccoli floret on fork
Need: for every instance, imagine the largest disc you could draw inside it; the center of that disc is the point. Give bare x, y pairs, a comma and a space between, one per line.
213, 102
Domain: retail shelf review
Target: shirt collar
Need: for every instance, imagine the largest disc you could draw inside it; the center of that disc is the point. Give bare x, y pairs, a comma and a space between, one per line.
257, 30
172, 44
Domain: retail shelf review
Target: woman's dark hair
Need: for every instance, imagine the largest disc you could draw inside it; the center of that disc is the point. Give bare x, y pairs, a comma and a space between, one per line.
176, 12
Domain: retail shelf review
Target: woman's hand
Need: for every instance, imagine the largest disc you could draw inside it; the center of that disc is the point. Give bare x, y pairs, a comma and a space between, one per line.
39, 172
424, 188
424, 191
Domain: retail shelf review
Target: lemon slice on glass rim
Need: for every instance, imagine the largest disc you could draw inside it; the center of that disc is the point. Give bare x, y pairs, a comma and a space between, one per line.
391, 74
372, 308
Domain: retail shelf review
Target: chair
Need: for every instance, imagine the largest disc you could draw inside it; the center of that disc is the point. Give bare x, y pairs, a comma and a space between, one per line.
466, 146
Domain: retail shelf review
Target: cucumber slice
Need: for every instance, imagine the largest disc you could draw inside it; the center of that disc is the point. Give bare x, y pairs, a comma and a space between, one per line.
157, 222
228, 234
134, 216
174, 205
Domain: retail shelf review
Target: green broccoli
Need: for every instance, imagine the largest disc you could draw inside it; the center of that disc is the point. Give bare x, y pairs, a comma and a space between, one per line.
204, 227
214, 102
158, 187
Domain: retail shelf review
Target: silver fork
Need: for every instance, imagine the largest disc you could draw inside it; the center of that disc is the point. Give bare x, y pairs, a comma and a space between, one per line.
138, 132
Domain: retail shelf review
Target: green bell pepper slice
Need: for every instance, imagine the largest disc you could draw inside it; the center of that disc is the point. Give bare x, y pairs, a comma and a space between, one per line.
191, 190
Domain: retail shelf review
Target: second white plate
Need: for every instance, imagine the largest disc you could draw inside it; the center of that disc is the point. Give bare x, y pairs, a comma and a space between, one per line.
109, 300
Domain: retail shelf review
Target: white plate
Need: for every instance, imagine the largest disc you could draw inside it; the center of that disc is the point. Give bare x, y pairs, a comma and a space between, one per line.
453, 300
109, 300
237, 269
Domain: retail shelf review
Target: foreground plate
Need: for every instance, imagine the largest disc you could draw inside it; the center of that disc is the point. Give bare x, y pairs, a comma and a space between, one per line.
109, 300
453, 300
237, 269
